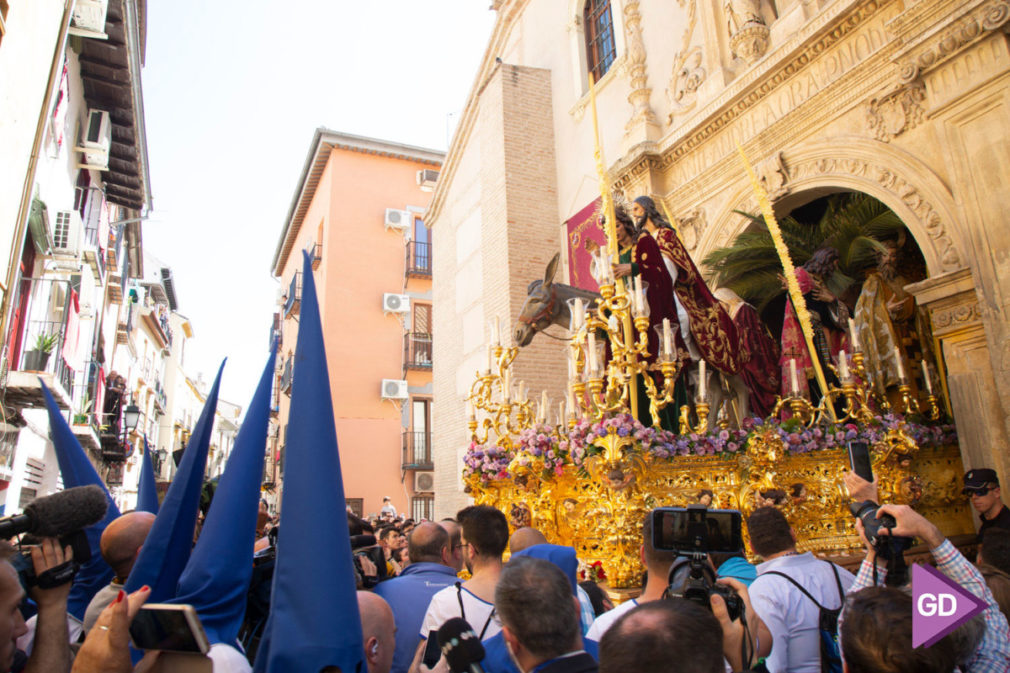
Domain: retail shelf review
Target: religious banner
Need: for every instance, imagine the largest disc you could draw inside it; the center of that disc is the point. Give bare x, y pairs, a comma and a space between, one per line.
585, 235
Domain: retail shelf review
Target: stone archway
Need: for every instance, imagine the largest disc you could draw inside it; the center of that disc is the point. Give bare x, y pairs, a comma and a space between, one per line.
922, 200
903, 183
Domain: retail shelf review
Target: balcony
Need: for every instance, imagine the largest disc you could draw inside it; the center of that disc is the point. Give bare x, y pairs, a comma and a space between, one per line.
417, 350
86, 421
417, 450
41, 354
418, 259
96, 228
287, 376
315, 251
293, 299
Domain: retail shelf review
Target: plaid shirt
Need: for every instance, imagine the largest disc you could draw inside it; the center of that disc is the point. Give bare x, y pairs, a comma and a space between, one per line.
993, 653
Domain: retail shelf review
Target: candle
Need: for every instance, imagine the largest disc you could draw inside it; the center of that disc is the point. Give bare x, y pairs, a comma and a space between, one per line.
794, 384
561, 412
571, 398
496, 332
667, 339
545, 404
639, 299
901, 367
580, 315
571, 367
853, 335
701, 380
490, 358
471, 413
506, 385
501, 336
843, 366
522, 392
925, 377
591, 347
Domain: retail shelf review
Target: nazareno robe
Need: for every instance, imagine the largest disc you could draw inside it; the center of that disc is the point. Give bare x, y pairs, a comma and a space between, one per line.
712, 328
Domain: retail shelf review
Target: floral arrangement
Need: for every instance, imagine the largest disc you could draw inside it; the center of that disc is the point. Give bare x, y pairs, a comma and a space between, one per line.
542, 447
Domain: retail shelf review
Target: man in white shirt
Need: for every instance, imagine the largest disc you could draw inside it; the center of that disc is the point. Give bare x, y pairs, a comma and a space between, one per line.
485, 534
792, 617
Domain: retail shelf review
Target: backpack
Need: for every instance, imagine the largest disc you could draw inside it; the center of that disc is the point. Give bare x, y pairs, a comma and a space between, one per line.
827, 624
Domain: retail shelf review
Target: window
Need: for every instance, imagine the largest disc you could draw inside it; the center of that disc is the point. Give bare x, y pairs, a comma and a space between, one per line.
599, 29
357, 506
422, 507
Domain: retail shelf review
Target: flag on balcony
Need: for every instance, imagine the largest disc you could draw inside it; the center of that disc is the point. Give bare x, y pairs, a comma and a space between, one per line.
166, 550
216, 579
77, 470
147, 488
314, 619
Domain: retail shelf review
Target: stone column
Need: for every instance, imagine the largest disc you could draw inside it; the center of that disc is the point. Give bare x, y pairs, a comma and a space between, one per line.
956, 320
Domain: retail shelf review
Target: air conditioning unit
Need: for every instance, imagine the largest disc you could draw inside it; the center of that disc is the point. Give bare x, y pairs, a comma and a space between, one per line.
96, 140
395, 303
424, 482
67, 233
398, 219
394, 389
426, 179
88, 19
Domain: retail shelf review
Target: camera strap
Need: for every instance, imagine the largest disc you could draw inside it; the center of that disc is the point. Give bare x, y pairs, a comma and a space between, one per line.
462, 611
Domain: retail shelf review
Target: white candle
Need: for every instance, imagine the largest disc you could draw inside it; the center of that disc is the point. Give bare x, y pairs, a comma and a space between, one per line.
701, 379
843, 366
667, 339
471, 413
580, 315
571, 398
571, 366
490, 358
496, 332
639, 299
795, 386
591, 356
522, 392
925, 377
506, 385
853, 335
901, 366
561, 412
545, 403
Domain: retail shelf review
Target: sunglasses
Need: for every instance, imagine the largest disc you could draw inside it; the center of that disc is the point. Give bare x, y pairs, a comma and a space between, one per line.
980, 491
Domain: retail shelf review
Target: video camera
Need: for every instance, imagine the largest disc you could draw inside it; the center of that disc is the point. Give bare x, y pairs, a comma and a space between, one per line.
692, 533
365, 546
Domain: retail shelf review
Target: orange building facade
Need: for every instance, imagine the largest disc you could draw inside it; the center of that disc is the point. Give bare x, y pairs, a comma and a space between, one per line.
357, 210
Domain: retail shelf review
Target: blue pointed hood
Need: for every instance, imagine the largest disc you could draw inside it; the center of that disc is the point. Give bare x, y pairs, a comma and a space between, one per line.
166, 550
77, 470
562, 557
314, 619
216, 579
147, 488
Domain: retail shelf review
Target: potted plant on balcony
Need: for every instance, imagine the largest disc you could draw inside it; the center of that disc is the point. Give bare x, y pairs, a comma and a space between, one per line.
37, 358
82, 418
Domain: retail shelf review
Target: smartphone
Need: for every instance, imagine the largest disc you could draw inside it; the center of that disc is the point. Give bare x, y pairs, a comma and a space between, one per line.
859, 459
696, 528
432, 652
170, 627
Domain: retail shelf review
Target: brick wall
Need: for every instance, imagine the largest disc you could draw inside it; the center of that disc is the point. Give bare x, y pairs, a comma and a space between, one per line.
505, 189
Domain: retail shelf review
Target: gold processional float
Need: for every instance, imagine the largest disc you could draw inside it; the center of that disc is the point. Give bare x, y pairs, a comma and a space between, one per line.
588, 479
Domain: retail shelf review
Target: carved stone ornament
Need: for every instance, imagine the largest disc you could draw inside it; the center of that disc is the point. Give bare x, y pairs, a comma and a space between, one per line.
751, 42
956, 316
892, 114
971, 28
683, 90
691, 227
640, 91
774, 176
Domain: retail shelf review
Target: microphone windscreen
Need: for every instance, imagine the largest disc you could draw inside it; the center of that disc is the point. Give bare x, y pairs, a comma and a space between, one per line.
67, 511
460, 645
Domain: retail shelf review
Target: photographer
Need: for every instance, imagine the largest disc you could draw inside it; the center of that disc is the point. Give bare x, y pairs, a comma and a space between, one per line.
993, 654
790, 593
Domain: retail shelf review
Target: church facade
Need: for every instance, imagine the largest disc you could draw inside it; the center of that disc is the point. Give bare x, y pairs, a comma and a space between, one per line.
904, 101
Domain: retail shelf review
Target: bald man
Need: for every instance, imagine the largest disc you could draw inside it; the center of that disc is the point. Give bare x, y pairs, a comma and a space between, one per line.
524, 538
378, 630
120, 545
408, 595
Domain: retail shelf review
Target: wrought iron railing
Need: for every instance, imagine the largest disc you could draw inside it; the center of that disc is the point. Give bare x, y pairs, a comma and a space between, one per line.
45, 330
417, 350
418, 258
294, 298
287, 376
417, 450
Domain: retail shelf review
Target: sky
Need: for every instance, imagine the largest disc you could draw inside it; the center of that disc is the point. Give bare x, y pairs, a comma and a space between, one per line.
233, 92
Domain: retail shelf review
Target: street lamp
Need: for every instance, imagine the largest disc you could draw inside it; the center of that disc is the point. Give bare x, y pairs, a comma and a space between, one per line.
131, 416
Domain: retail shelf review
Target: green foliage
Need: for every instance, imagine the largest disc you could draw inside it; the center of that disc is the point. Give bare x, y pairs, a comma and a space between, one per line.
46, 342
853, 223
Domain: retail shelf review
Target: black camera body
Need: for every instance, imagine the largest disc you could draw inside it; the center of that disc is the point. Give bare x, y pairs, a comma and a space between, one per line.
364, 546
687, 531
885, 545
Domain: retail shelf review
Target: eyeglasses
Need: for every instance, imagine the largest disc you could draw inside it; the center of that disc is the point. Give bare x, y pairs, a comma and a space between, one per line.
979, 491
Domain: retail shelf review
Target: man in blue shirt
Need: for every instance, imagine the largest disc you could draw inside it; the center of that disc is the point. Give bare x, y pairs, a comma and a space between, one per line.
430, 571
